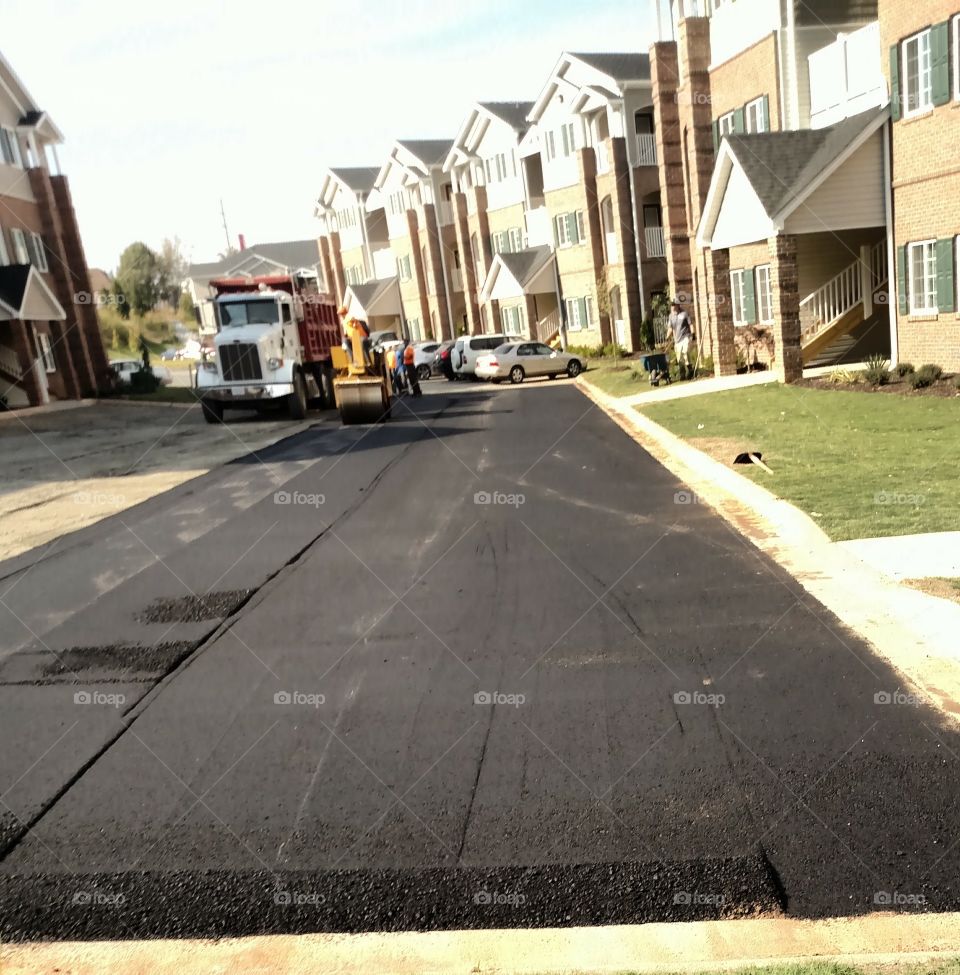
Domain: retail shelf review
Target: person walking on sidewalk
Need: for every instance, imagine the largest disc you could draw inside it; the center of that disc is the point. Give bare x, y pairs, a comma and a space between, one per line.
409, 365
682, 338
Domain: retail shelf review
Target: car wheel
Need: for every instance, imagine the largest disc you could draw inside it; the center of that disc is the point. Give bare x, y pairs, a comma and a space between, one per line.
516, 374
212, 410
574, 369
423, 373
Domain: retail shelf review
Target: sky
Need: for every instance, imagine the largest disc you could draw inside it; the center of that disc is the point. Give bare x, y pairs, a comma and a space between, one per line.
168, 108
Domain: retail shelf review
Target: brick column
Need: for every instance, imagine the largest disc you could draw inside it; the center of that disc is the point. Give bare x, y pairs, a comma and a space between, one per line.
621, 198
588, 180
419, 272
530, 309
720, 309
785, 290
471, 288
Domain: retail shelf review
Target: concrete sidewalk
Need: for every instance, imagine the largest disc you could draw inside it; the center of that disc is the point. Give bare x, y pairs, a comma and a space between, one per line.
935, 555
915, 632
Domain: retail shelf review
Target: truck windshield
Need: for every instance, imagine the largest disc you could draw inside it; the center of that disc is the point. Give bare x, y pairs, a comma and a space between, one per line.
248, 313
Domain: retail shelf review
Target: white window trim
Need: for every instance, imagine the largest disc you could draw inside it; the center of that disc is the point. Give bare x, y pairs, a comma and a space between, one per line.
956, 59
726, 124
19, 240
46, 351
573, 315
926, 106
756, 105
738, 297
560, 222
40, 252
912, 309
761, 272
4, 253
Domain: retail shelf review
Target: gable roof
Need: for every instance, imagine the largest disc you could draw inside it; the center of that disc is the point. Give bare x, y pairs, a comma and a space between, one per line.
513, 113
626, 66
783, 168
25, 295
431, 152
524, 267
360, 179
290, 254
368, 293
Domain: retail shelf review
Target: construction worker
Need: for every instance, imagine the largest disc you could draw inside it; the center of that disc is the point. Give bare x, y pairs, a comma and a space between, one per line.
392, 369
409, 365
351, 328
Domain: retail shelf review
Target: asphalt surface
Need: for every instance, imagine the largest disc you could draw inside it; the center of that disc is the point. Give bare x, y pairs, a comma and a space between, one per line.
483, 666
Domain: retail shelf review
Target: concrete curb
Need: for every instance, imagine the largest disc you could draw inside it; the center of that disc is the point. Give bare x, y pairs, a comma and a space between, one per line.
57, 407
695, 946
917, 634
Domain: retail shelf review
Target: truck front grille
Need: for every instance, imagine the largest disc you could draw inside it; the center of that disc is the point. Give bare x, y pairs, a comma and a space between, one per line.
240, 362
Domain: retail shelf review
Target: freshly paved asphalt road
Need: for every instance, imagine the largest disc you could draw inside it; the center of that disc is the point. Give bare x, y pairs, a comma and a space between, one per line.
328, 688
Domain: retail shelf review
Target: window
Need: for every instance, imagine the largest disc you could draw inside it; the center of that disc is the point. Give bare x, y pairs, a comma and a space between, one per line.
10, 148
756, 112
20, 254
764, 295
579, 313
568, 138
917, 74
727, 124
286, 314
551, 146
738, 297
403, 268
569, 229
512, 319
39, 252
46, 350
922, 270
4, 256
956, 58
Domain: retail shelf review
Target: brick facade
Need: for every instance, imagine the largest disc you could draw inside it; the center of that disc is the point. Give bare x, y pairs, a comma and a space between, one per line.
784, 286
751, 74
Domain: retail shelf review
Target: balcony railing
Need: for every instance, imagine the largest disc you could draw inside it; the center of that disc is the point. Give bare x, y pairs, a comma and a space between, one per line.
846, 77
603, 157
612, 251
646, 149
655, 242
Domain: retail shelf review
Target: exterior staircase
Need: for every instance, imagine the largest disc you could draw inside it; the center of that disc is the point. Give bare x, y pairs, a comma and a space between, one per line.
10, 376
832, 319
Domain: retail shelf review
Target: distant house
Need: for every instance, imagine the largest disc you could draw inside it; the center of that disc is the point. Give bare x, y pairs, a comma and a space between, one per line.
100, 281
50, 345
286, 257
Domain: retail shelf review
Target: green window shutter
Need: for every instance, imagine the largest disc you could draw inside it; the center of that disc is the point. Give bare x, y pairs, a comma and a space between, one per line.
739, 125
566, 141
940, 63
583, 312
895, 82
766, 113
946, 301
716, 136
749, 297
556, 232
902, 280
572, 231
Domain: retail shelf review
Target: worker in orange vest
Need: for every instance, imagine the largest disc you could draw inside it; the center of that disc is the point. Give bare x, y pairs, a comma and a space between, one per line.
409, 366
392, 370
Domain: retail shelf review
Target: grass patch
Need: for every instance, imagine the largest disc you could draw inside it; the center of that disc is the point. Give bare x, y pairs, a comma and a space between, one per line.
941, 588
950, 966
165, 394
622, 378
861, 466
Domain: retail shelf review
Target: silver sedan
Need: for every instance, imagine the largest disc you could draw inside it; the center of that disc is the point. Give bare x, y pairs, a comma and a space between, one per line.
517, 361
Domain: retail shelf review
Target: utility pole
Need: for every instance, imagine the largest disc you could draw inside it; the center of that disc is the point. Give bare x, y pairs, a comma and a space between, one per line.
226, 233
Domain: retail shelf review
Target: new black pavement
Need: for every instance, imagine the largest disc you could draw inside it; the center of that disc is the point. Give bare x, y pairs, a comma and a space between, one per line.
501, 674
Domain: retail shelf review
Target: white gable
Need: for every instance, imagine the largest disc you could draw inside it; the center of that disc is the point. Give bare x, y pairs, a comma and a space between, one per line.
741, 218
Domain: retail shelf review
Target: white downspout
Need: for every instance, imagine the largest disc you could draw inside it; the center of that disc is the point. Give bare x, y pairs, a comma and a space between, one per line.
447, 283
367, 253
892, 301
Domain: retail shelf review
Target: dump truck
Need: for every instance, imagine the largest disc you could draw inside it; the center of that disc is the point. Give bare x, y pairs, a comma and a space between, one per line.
272, 348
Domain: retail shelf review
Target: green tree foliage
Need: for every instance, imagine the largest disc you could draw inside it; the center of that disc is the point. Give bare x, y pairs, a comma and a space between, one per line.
138, 281
172, 266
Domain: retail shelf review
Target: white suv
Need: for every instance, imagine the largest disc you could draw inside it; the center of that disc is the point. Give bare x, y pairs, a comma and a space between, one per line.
469, 348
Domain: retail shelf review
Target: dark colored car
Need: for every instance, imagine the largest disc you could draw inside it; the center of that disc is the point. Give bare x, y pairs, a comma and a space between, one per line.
442, 362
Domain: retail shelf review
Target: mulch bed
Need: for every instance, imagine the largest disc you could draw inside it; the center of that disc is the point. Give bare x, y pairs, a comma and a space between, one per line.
945, 388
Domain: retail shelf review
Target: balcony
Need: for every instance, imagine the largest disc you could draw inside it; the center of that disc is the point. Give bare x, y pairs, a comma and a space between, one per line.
646, 149
456, 279
603, 157
846, 77
538, 227
655, 242
611, 250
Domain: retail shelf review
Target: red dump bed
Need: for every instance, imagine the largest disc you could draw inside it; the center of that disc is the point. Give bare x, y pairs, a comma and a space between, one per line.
317, 318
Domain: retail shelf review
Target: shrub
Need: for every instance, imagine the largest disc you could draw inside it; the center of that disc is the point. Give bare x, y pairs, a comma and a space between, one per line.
904, 369
877, 372
613, 350
956, 381
931, 370
844, 376
923, 377
648, 337
143, 381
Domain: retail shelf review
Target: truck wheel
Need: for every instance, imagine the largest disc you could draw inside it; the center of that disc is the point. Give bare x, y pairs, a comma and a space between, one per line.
327, 393
212, 410
298, 398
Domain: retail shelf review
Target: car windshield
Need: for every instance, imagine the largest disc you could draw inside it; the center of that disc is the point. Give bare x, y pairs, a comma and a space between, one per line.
503, 349
260, 312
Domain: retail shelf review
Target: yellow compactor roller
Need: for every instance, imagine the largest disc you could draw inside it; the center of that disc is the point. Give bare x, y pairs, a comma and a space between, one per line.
361, 386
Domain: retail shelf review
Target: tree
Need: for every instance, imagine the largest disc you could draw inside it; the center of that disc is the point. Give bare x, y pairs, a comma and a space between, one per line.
172, 267
138, 278
187, 311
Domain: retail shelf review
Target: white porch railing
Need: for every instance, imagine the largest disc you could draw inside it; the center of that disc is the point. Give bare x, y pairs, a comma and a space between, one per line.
548, 327
9, 362
846, 77
879, 272
646, 149
655, 244
661, 329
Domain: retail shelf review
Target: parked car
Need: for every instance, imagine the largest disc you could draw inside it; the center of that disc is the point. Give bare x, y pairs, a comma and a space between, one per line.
424, 353
169, 355
125, 368
443, 361
379, 339
469, 348
518, 360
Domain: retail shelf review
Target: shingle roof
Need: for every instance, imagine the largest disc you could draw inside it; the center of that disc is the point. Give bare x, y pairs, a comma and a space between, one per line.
368, 293
632, 66
432, 152
780, 164
523, 265
513, 113
360, 179
291, 254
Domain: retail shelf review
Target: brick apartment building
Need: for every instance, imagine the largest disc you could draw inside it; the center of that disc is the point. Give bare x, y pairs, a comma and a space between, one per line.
50, 345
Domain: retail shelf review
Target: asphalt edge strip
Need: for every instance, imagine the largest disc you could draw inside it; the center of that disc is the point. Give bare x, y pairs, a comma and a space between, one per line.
655, 948
913, 632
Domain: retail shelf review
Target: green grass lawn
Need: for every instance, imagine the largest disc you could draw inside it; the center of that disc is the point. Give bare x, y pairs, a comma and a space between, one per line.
622, 378
165, 394
862, 465
934, 967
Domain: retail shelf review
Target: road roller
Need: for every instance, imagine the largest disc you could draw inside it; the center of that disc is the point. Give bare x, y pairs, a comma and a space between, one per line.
361, 386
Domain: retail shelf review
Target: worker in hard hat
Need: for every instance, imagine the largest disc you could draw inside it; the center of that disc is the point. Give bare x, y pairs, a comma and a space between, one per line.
351, 328
409, 366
